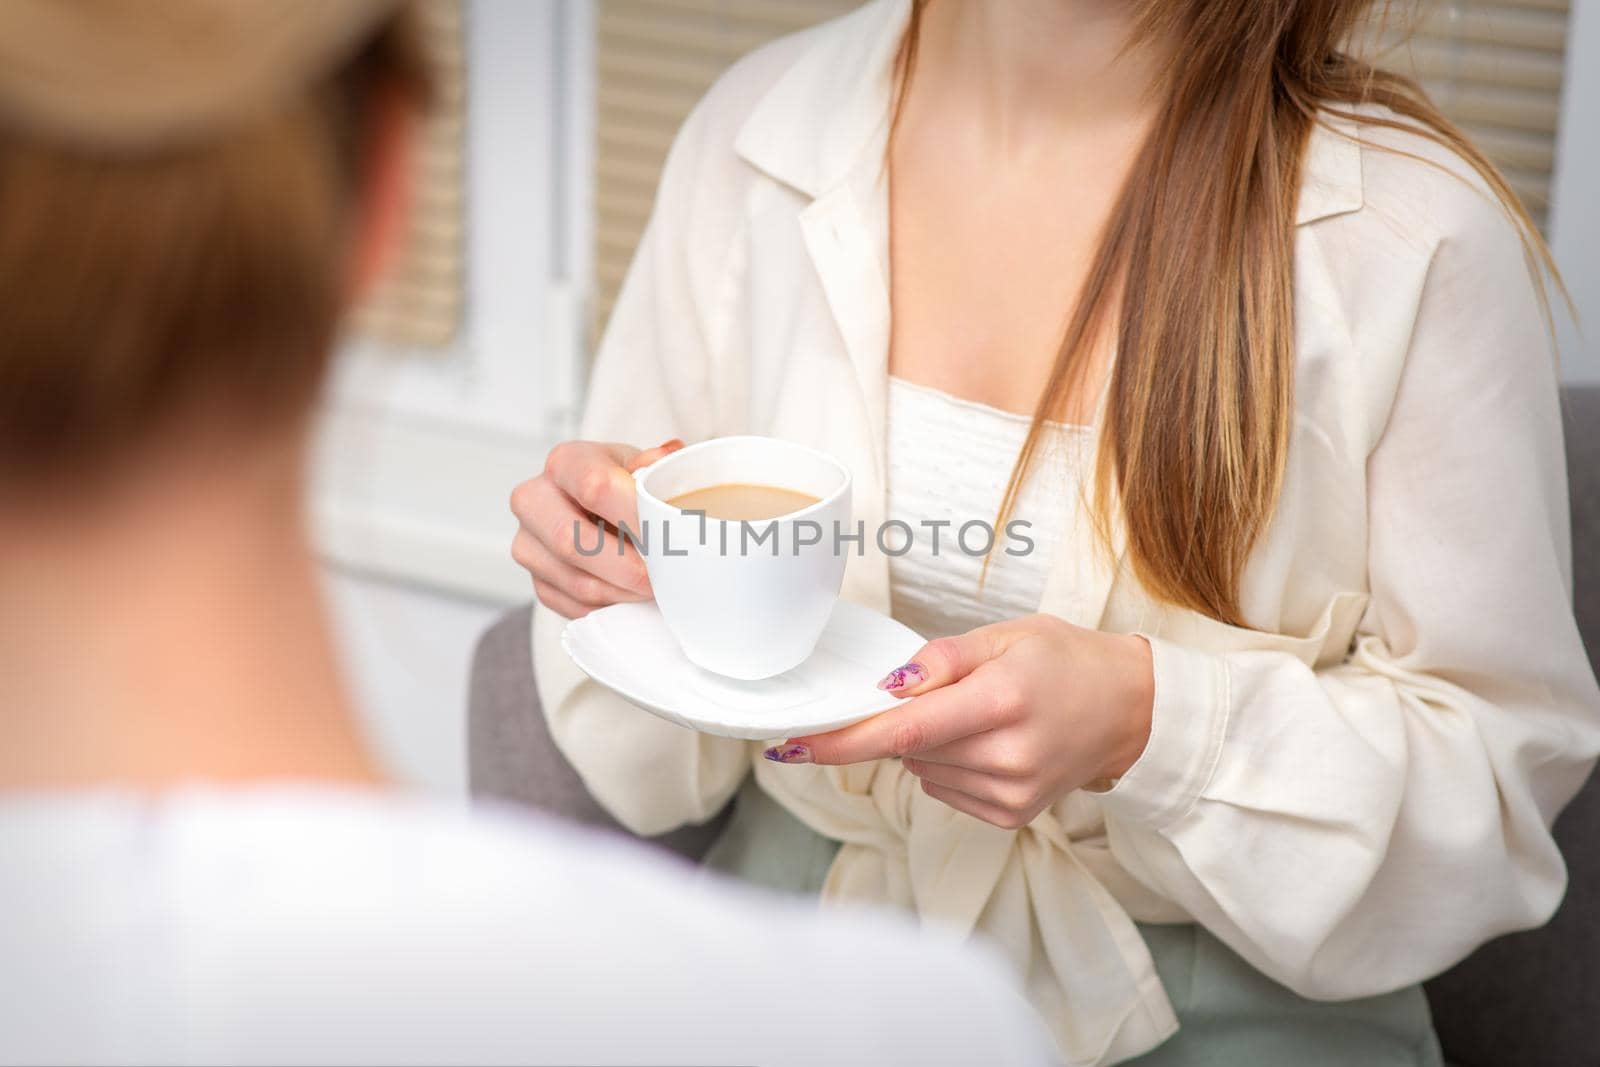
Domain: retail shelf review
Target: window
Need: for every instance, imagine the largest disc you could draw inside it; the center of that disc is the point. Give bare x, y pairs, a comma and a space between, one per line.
451, 387
1495, 68
656, 59
419, 304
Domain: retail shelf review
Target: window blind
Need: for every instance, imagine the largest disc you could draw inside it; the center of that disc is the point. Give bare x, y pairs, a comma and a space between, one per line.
1494, 67
655, 59
419, 303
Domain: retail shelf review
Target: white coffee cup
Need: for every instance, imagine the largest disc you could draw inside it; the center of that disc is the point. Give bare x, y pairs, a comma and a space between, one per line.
746, 600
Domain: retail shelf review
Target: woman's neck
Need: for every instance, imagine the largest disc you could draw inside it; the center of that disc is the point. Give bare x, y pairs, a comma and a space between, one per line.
1032, 67
169, 628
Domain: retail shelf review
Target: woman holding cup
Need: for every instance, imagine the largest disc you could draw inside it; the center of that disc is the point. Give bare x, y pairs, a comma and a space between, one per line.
1272, 724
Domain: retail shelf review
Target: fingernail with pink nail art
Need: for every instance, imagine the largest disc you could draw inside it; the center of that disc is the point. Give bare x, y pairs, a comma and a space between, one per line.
905, 675
788, 754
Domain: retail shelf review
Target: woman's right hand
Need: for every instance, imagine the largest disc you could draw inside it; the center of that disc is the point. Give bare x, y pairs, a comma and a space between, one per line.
585, 484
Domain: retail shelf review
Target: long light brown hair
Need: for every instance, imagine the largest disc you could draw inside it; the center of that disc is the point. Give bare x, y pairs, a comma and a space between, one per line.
1195, 263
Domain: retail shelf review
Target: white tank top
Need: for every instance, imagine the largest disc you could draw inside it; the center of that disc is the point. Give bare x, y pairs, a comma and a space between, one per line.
949, 460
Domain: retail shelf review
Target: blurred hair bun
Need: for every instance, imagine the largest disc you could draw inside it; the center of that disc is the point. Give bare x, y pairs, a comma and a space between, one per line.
135, 75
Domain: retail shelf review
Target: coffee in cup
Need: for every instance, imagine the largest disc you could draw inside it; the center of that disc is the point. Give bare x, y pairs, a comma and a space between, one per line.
742, 501
739, 537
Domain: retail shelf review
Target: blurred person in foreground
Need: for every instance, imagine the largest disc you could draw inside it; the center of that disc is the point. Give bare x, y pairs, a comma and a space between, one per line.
200, 861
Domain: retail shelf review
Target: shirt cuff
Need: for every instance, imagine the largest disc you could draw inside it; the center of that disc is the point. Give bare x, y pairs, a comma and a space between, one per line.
1187, 722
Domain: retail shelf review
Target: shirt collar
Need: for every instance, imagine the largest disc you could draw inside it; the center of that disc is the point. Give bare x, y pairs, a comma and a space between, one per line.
811, 128
1330, 178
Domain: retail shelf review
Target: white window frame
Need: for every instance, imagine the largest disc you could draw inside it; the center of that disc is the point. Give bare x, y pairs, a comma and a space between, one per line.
419, 449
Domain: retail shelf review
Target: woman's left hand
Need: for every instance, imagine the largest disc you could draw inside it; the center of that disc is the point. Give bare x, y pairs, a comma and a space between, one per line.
1008, 719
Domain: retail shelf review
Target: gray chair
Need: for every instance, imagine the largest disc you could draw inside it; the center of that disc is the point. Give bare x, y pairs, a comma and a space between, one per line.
1525, 1000
510, 754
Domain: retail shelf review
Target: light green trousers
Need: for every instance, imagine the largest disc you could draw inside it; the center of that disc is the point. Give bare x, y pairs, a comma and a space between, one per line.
1230, 1014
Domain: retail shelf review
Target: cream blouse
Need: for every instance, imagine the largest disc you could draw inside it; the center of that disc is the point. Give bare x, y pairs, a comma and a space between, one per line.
1352, 793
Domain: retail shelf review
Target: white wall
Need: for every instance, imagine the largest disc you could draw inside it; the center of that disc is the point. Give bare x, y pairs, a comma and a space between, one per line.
1575, 216
408, 650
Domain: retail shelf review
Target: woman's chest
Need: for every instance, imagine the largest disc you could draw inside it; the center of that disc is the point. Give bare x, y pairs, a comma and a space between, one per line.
983, 285
991, 240
802, 339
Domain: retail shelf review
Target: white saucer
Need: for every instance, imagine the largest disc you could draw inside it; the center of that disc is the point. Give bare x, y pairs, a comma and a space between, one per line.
628, 649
